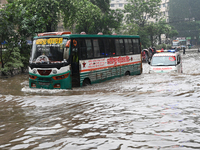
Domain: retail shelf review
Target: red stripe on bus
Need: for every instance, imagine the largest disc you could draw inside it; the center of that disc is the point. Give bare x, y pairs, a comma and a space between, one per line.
110, 66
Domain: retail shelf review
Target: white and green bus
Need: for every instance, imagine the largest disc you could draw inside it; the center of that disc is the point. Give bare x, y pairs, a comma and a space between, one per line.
61, 60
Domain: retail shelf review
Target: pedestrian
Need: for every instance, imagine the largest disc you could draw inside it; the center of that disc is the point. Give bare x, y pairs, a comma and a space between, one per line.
183, 50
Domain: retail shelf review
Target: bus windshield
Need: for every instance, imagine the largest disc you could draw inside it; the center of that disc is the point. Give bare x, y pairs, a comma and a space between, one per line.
163, 61
48, 50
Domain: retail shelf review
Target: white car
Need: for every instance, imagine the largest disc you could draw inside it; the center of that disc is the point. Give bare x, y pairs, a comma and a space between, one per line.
166, 61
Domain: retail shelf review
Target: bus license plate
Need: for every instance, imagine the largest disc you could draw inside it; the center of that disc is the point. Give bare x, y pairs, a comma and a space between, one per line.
44, 83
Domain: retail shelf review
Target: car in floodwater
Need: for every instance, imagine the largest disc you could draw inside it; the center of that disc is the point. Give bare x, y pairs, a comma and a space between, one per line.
166, 61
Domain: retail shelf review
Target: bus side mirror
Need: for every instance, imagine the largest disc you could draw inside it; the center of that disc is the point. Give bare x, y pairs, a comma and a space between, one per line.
68, 43
66, 53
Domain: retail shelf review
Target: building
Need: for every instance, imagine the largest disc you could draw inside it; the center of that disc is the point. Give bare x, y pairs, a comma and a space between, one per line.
164, 9
119, 4
2, 2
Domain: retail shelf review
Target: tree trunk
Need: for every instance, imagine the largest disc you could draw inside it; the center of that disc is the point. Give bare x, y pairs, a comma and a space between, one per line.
159, 39
151, 41
22, 69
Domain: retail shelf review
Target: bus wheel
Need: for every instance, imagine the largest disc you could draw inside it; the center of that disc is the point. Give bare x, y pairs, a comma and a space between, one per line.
86, 82
127, 73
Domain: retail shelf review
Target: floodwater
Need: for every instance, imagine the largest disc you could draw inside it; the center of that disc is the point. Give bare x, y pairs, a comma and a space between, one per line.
145, 112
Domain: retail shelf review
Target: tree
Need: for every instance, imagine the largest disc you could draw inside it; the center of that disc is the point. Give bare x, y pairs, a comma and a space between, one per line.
153, 32
27, 23
87, 18
104, 5
111, 21
128, 29
92, 19
46, 11
10, 54
140, 11
184, 16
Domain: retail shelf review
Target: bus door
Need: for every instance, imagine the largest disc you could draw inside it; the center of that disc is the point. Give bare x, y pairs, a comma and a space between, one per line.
75, 63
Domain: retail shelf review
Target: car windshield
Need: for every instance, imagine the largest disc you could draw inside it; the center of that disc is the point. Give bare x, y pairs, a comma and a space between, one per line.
48, 49
163, 61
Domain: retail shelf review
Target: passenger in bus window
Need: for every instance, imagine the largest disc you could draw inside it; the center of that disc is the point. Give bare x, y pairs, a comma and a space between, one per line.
75, 65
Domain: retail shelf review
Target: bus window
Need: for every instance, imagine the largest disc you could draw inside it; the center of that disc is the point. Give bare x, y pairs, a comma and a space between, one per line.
131, 51
89, 48
112, 47
136, 46
102, 48
96, 48
82, 49
127, 47
118, 49
107, 47
121, 44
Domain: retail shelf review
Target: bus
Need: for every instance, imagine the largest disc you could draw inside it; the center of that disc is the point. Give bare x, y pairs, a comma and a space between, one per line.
183, 43
61, 60
176, 44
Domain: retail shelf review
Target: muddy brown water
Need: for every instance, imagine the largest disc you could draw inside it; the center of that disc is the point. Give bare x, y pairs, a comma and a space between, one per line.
150, 111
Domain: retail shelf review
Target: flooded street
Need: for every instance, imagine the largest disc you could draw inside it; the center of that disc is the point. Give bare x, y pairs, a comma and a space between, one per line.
145, 112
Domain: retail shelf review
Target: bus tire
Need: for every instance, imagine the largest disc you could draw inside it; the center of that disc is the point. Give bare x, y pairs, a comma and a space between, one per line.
127, 73
86, 82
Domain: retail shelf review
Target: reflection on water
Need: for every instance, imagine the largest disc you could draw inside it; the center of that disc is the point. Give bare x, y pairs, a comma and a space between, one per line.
150, 111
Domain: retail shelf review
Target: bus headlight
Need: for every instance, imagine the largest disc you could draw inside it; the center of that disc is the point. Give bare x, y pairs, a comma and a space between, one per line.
32, 77
54, 71
61, 77
34, 71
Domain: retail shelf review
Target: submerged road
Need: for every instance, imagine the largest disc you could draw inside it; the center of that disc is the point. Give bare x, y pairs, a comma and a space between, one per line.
146, 112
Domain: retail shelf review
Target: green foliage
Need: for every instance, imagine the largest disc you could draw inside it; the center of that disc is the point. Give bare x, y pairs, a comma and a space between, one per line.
150, 33
164, 46
184, 16
104, 5
128, 29
12, 58
42, 14
87, 18
144, 38
92, 19
136, 10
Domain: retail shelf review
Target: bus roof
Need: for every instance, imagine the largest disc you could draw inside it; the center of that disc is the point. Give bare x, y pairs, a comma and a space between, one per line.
85, 36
